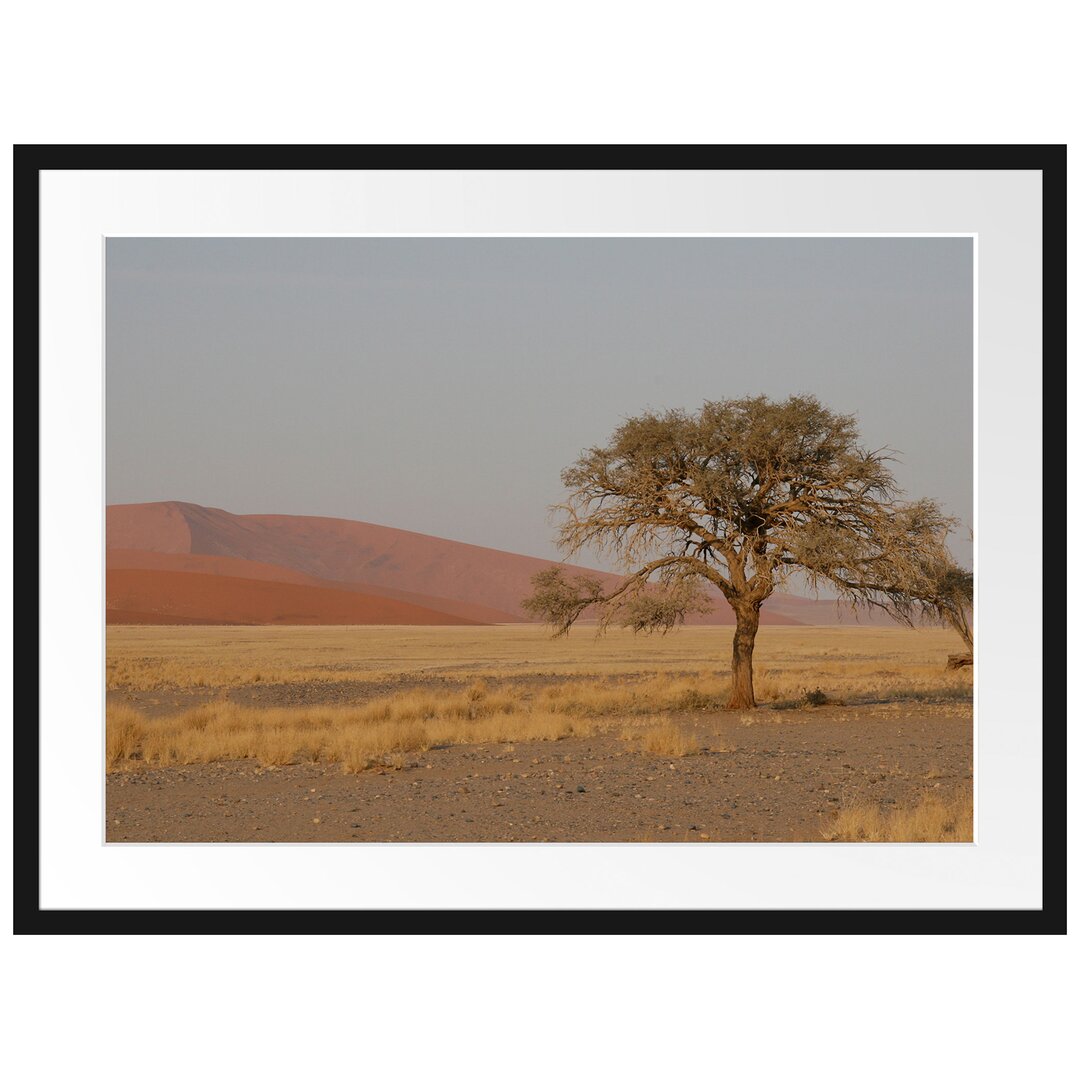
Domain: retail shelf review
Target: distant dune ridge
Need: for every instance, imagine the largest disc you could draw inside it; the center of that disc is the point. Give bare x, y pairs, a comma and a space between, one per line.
173, 562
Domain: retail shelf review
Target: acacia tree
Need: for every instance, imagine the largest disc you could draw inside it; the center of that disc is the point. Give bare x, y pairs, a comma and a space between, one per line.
740, 495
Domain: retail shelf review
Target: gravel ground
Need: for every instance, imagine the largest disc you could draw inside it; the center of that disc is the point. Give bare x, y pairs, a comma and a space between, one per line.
780, 778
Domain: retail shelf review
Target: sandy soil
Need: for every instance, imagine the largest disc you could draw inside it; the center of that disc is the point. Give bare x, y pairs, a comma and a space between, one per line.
779, 778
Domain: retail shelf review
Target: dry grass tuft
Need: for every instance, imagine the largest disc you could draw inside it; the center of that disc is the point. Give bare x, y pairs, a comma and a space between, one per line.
379, 734
932, 821
383, 731
124, 732
666, 739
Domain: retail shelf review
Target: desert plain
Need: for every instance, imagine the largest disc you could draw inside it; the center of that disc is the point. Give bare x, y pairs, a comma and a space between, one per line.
502, 733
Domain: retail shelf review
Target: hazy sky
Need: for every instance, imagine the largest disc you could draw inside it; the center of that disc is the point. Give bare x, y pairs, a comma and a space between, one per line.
440, 385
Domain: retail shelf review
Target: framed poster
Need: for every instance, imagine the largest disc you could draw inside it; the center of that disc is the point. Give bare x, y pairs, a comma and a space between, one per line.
303, 412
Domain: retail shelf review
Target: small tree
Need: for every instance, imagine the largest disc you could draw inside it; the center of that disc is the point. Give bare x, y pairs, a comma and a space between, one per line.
943, 592
956, 599
740, 495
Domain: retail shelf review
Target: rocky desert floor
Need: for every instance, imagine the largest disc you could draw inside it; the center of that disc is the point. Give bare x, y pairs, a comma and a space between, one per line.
771, 780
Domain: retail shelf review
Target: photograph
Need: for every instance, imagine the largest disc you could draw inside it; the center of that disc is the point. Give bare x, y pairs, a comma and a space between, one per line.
539, 539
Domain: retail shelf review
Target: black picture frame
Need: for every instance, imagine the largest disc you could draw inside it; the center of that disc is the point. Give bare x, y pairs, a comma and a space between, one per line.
31, 160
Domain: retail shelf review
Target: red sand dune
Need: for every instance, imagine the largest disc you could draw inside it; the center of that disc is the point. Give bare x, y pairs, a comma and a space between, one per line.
152, 526
165, 596
468, 582
154, 618
128, 559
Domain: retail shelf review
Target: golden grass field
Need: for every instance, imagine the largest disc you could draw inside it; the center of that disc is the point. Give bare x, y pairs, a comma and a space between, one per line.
858, 659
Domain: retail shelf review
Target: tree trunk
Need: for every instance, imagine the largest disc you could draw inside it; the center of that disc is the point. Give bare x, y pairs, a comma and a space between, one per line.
742, 656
